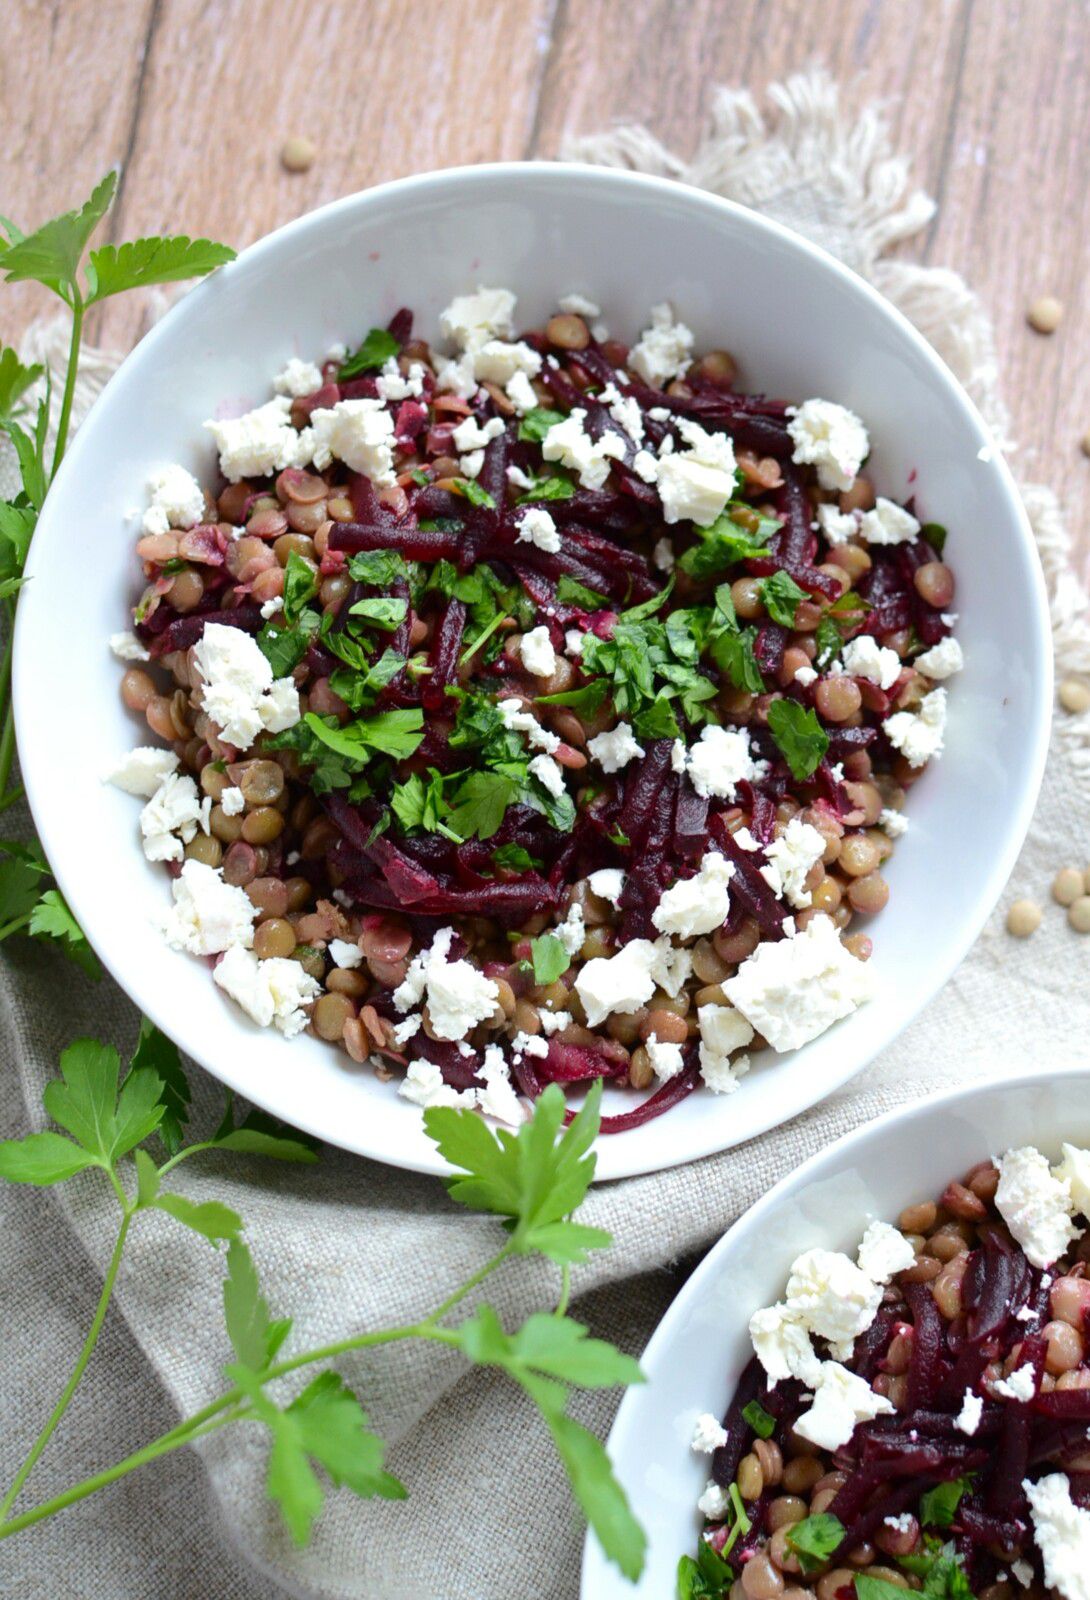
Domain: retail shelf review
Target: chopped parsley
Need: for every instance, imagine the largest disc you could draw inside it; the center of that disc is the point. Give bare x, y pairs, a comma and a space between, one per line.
374, 352
801, 739
381, 611
553, 487
570, 592
549, 957
536, 423
781, 597
763, 1425
300, 585
515, 858
815, 1538
727, 542
282, 647
471, 489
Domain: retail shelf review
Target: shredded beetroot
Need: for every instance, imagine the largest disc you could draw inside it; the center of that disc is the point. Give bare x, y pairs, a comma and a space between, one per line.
669, 1094
571, 1063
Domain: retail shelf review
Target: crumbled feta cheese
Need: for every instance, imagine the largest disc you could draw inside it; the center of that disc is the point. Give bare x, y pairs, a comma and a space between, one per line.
458, 994
538, 655
177, 500
616, 748
789, 861
498, 362
744, 839
708, 1434
271, 606
528, 1044
679, 756
232, 801
498, 1098
783, 1346
408, 1029
625, 411
1020, 1387
830, 438
572, 931
663, 554
423, 1085
554, 1021
548, 773
918, 735
208, 915
171, 817
536, 526
645, 466
345, 954
127, 647
458, 376
883, 1252
714, 1503
276, 991
519, 479
696, 484
261, 442
841, 1401
864, 657
972, 1409
521, 721
1074, 1170
664, 350
358, 432
577, 305
472, 435
942, 660
520, 391
671, 966
623, 982
795, 988
902, 1524
893, 823
722, 1032
806, 676
574, 642
607, 883
1035, 1204
720, 760
470, 465
1062, 1534
143, 770
888, 523
833, 1298
665, 1057
837, 526
1022, 1572
569, 443
698, 904
239, 693
297, 378
393, 384
471, 320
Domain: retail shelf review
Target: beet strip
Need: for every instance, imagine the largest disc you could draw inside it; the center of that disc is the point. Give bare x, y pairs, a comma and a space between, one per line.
446, 645
188, 630
726, 1458
669, 1094
413, 543
747, 884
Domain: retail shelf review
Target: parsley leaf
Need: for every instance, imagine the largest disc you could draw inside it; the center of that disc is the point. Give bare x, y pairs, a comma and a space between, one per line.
553, 487
733, 654
936, 536
52, 253
828, 639
395, 733
724, 544
781, 597
104, 1119
51, 919
549, 957
815, 1538
155, 1051
709, 1577
115, 268
763, 1425
376, 349
475, 494
284, 648
533, 1177
868, 1588
482, 802
381, 611
938, 1505
801, 739
570, 592
379, 568
417, 804
536, 423
15, 380
300, 585
584, 702
255, 1338
210, 1218
515, 858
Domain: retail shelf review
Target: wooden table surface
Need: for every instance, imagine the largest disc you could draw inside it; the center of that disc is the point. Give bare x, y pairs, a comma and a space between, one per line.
990, 98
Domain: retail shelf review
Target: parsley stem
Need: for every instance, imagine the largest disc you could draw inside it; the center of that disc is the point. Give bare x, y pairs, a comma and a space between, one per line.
478, 1277
73, 1380
12, 796
69, 384
481, 638
565, 1290
13, 927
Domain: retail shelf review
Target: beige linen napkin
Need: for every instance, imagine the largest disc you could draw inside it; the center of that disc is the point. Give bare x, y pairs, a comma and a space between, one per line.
349, 1244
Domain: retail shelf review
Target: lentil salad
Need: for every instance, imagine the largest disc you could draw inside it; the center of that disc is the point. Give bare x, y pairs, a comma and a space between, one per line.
540, 712
915, 1419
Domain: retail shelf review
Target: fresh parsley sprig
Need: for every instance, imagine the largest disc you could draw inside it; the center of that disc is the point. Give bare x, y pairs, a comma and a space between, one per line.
58, 257
131, 1128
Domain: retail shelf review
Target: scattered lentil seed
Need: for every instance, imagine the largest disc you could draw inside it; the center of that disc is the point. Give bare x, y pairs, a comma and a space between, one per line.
1023, 918
1078, 914
1045, 313
297, 153
1075, 695
1067, 886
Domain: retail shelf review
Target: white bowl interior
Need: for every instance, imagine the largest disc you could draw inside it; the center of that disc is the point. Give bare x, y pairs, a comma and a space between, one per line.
701, 1346
800, 325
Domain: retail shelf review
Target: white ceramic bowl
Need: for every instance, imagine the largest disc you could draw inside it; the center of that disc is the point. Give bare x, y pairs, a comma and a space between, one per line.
800, 325
701, 1345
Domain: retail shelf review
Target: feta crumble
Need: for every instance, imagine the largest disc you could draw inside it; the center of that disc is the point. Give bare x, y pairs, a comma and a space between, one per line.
919, 735
240, 695
498, 1098
666, 1058
792, 990
789, 860
275, 992
972, 1409
841, 1401
522, 721
616, 748
698, 904
722, 1032
471, 320
892, 823
177, 500
720, 760
208, 915
358, 432
888, 523
663, 555
942, 660
714, 1503
883, 1252
626, 981
572, 931
830, 438
1062, 1534
472, 435
837, 526
423, 1085
143, 770
344, 953
261, 442
708, 1434
864, 657
607, 883
171, 818
297, 378
577, 305
232, 801
537, 653
458, 994
1074, 1170
1035, 1204
569, 443
783, 1347
548, 773
696, 484
127, 647
663, 350
536, 526
833, 1297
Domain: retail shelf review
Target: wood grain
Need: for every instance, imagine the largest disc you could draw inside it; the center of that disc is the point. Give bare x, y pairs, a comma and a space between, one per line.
990, 99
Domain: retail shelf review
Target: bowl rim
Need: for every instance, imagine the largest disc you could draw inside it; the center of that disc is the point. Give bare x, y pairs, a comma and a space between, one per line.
561, 175
902, 1122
